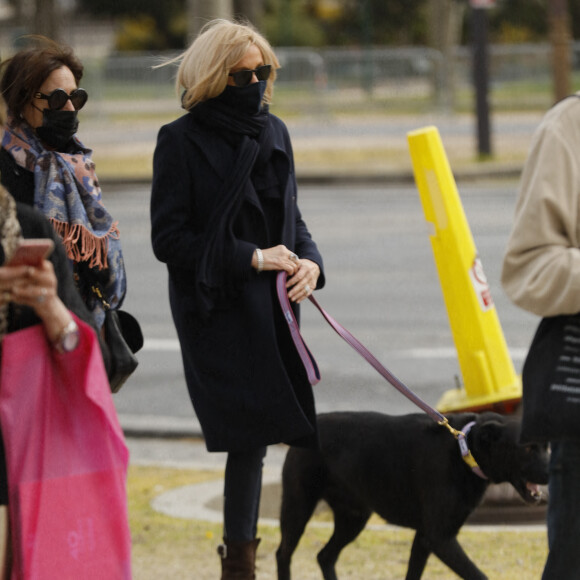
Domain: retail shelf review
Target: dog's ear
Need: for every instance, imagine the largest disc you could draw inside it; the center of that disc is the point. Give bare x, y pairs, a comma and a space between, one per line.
490, 432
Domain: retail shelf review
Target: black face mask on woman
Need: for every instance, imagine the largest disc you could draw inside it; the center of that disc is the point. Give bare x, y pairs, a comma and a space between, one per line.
246, 100
58, 127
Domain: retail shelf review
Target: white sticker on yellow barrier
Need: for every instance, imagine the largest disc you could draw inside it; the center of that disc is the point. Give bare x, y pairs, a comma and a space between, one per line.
480, 285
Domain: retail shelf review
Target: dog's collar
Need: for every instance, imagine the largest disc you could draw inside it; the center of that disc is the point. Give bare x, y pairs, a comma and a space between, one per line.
466, 453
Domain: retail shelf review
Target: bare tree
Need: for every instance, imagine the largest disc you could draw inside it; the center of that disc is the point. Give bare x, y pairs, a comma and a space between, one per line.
199, 12
251, 10
560, 39
445, 17
47, 18
39, 17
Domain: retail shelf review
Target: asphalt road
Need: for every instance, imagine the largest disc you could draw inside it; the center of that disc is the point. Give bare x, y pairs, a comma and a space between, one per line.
382, 284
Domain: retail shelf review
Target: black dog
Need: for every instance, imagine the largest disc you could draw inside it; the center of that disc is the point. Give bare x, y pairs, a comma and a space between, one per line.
410, 471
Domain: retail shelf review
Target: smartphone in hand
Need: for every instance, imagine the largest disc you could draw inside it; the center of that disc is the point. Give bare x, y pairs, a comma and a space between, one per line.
31, 252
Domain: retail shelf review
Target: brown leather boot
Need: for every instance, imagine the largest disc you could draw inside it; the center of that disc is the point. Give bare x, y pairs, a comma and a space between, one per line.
238, 559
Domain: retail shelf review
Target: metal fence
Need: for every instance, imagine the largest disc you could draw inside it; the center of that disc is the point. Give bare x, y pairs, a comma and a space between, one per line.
403, 78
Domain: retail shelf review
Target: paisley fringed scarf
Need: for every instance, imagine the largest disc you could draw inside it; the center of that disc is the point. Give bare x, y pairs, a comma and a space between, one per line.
67, 192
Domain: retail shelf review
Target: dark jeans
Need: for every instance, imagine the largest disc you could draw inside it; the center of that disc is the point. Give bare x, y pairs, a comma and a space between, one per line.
242, 490
564, 512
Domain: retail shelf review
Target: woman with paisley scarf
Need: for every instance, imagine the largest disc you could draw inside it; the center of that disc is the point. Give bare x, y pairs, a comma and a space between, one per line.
43, 164
225, 220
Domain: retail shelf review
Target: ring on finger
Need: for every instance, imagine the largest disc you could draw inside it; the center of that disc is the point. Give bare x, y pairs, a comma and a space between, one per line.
43, 292
293, 256
307, 289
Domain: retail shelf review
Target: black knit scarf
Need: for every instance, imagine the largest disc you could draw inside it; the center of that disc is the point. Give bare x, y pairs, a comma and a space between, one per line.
247, 128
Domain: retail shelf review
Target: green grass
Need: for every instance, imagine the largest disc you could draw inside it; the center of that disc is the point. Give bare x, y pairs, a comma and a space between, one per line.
127, 167
166, 547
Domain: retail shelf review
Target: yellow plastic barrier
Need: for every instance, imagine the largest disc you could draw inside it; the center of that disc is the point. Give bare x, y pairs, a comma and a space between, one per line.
489, 378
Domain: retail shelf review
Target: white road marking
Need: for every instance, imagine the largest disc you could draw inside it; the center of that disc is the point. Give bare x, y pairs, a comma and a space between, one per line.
422, 353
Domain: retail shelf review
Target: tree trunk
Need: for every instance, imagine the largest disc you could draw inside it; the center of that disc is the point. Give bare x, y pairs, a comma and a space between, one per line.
200, 12
445, 17
250, 10
46, 19
560, 39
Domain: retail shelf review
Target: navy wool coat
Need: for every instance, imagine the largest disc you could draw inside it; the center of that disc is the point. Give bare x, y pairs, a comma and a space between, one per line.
244, 376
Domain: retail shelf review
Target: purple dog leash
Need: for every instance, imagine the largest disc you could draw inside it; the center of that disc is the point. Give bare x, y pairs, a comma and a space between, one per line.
306, 356
314, 374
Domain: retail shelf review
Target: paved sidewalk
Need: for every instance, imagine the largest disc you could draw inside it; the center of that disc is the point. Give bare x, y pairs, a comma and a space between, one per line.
193, 501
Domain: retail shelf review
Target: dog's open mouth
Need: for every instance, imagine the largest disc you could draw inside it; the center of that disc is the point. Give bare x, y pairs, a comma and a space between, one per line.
533, 493
530, 492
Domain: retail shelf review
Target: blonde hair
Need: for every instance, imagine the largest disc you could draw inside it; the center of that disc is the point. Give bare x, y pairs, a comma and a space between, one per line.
205, 65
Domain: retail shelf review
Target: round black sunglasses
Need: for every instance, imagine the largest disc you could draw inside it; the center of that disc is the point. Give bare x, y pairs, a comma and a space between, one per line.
243, 78
58, 98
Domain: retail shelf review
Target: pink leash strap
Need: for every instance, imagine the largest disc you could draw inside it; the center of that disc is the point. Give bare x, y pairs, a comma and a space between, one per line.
307, 358
372, 360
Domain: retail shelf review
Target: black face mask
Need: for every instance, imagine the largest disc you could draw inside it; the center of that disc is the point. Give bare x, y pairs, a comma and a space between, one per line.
246, 100
58, 128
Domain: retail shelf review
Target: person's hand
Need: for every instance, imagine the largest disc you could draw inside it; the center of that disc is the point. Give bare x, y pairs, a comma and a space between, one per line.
29, 286
277, 258
36, 287
304, 280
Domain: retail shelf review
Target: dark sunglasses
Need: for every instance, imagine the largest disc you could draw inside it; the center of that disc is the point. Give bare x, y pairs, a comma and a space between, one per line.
58, 98
243, 78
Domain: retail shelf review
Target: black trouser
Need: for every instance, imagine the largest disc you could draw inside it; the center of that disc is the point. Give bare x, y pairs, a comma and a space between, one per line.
242, 490
563, 512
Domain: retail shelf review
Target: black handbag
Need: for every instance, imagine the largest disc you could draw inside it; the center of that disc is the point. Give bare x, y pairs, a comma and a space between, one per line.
551, 381
124, 338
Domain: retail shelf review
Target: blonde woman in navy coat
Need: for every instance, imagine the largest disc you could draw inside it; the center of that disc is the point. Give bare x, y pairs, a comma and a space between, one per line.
225, 220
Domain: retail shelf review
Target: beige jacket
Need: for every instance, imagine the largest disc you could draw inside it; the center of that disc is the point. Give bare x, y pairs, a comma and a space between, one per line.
541, 268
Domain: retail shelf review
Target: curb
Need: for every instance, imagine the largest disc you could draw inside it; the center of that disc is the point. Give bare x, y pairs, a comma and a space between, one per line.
162, 427
472, 173
484, 170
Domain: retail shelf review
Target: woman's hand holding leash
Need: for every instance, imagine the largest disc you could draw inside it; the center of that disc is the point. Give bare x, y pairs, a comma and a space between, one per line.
303, 282
276, 258
303, 274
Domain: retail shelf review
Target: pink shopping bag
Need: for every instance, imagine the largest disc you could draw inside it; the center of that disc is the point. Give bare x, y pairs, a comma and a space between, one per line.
66, 460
